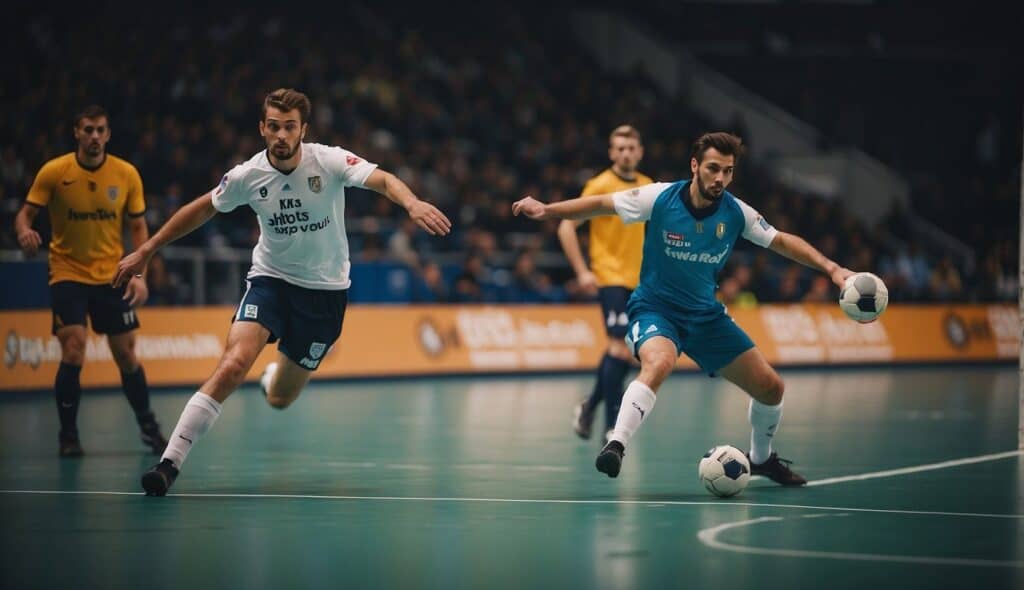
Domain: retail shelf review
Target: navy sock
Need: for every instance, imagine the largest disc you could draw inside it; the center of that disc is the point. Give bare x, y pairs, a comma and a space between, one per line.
137, 392
613, 381
68, 388
596, 395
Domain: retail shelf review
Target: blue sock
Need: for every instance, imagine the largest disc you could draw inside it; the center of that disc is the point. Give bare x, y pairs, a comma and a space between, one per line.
612, 381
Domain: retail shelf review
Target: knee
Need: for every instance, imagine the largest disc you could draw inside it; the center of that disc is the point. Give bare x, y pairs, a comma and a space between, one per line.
771, 390
73, 350
620, 351
660, 364
125, 358
233, 369
278, 402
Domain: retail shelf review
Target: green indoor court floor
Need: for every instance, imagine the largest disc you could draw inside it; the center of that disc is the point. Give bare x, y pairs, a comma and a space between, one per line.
480, 483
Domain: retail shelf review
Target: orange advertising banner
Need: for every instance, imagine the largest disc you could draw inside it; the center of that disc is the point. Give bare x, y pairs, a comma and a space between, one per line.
181, 346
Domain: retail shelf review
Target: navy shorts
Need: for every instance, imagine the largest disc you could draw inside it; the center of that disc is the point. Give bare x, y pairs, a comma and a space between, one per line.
108, 312
306, 321
613, 310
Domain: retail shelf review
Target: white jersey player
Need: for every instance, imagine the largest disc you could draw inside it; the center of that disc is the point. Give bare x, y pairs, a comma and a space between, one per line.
297, 286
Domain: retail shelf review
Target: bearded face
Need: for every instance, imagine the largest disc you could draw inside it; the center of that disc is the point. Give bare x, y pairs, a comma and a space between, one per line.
713, 173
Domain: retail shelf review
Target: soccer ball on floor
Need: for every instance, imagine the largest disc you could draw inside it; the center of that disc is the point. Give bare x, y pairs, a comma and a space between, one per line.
864, 297
724, 470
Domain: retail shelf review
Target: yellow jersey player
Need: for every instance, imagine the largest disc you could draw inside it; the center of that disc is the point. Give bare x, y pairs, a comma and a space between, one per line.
90, 195
615, 253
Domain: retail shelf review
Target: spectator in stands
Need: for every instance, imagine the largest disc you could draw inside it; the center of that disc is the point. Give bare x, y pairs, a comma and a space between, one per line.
429, 285
945, 283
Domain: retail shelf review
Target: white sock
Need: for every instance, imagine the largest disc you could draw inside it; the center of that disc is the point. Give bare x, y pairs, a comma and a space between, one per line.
764, 422
636, 405
199, 414
267, 375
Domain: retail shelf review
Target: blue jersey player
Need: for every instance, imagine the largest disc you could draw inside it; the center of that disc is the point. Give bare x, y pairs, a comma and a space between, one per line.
692, 226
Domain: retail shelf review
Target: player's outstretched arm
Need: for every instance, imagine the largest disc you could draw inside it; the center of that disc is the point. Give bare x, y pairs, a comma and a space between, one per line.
183, 222
578, 208
423, 213
797, 249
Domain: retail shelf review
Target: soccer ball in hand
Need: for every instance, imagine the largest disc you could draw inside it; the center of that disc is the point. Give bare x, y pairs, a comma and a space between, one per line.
724, 471
864, 297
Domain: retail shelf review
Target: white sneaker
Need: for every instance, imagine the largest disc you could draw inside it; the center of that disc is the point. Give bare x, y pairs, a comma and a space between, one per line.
268, 373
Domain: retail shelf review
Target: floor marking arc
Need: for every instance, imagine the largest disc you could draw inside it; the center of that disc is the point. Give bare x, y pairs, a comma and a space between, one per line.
709, 537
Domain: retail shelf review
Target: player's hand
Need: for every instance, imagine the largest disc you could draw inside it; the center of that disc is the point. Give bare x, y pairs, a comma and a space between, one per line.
131, 266
531, 208
840, 275
587, 281
137, 292
430, 218
29, 241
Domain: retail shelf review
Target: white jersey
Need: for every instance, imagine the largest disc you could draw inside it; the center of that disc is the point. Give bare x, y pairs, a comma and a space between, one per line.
301, 214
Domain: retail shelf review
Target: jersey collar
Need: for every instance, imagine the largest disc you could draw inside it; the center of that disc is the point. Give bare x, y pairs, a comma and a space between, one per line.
622, 178
93, 168
703, 213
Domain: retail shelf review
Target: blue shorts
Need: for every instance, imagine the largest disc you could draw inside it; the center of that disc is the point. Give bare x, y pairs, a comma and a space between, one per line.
306, 321
613, 310
711, 343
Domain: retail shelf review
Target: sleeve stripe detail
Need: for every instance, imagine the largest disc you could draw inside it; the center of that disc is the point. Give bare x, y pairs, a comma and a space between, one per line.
36, 205
139, 214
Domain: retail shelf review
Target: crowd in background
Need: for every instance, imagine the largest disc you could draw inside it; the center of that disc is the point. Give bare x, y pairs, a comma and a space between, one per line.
471, 119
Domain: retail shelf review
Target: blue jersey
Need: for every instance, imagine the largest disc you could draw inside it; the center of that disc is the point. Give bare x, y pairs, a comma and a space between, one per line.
686, 248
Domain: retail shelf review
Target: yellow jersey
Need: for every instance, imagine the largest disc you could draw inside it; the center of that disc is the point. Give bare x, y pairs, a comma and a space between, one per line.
87, 209
616, 249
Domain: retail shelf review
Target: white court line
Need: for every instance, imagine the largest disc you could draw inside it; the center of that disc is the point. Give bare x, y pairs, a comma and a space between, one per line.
709, 537
653, 503
916, 468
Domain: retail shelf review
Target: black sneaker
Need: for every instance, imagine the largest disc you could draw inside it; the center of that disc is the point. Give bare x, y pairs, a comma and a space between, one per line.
159, 478
69, 445
149, 432
777, 470
583, 420
609, 461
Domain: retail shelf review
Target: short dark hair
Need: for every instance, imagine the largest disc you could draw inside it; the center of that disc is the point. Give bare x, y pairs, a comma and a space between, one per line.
287, 99
726, 143
627, 131
93, 111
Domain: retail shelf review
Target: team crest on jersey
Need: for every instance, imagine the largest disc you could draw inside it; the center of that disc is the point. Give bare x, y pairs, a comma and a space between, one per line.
720, 231
315, 184
92, 186
112, 193
316, 350
263, 193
